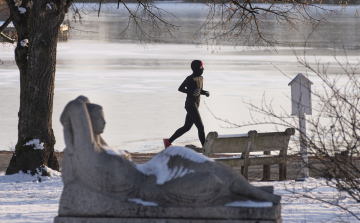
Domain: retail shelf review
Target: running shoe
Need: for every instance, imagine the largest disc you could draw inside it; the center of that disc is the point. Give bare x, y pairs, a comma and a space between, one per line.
167, 143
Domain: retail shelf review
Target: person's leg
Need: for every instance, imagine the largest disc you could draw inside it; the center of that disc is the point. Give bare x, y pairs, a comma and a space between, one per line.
196, 118
187, 126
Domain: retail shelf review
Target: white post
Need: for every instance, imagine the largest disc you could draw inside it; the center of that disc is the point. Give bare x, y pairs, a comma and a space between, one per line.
301, 105
303, 146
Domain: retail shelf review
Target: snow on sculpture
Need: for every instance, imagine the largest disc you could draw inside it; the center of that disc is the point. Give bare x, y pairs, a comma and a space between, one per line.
100, 181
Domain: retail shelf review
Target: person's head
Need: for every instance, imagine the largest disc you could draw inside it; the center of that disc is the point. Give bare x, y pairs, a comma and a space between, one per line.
97, 117
198, 67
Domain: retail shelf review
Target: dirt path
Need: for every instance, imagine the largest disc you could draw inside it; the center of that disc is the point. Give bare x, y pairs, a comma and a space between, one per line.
255, 172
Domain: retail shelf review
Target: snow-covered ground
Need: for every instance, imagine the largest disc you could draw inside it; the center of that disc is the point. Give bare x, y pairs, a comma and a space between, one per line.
24, 198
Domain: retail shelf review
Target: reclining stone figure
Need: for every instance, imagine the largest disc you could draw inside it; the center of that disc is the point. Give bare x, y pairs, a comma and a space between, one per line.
100, 181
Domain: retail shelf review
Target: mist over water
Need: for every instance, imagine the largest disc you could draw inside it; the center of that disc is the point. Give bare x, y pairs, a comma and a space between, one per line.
137, 85
338, 30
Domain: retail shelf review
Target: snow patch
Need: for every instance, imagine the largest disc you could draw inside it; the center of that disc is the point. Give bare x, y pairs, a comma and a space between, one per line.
24, 42
186, 153
51, 172
230, 157
143, 203
158, 165
48, 6
114, 152
249, 204
36, 143
233, 136
22, 177
18, 178
22, 10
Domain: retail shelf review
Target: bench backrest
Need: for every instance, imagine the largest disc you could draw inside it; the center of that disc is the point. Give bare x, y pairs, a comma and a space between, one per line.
271, 141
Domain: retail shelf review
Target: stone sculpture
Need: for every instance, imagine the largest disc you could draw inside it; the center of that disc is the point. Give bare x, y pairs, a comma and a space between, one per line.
100, 181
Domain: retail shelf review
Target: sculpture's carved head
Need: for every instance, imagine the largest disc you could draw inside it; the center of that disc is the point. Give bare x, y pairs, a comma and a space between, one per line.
97, 118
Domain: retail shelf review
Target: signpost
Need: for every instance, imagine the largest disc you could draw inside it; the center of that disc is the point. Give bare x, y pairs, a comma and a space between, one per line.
301, 106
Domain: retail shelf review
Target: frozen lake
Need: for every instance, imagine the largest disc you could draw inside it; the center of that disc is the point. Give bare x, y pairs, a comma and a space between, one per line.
137, 86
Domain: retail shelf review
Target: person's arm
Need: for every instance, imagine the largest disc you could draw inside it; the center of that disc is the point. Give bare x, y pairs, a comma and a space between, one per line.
205, 93
183, 88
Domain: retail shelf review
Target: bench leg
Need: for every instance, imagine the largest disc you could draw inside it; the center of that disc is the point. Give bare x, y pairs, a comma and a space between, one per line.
244, 172
245, 155
282, 172
282, 167
266, 169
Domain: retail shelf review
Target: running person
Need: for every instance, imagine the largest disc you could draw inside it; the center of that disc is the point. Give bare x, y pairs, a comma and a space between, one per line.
192, 86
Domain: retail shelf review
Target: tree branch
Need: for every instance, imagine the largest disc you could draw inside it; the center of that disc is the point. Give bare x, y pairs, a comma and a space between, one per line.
5, 24
7, 38
3, 27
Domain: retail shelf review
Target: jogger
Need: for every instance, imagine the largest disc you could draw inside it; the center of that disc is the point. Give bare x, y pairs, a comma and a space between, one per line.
192, 86
192, 117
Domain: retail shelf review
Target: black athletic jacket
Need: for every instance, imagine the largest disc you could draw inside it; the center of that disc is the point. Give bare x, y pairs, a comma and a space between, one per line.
190, 84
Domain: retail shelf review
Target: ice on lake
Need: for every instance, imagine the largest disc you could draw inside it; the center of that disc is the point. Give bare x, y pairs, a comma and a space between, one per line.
137, 85
137, 88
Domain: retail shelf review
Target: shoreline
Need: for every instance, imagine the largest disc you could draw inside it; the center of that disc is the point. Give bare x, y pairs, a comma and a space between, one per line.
255, 172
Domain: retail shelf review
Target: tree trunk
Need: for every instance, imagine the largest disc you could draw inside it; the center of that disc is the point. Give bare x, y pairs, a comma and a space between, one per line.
35, 56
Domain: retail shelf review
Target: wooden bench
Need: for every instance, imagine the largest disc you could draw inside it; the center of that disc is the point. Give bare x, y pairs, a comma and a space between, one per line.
251, 142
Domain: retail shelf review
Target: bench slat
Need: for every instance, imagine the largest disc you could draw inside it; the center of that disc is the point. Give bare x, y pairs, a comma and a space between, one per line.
271, 143
231, 162
229, 145
259, 161
253, 161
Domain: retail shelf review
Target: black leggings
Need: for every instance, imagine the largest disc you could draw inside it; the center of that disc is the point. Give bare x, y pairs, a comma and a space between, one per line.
192, 117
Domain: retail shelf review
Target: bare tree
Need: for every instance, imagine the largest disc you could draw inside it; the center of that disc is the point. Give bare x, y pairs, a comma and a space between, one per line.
37, 23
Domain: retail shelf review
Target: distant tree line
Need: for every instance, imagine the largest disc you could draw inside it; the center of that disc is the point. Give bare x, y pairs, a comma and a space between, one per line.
335, 2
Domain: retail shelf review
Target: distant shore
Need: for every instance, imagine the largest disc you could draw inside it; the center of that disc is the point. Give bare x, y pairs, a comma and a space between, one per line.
331, 2
5, 15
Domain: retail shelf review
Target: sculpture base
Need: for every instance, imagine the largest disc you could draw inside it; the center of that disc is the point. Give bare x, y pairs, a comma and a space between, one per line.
80, 206
184, 215
154, 220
